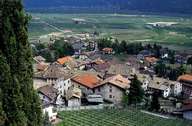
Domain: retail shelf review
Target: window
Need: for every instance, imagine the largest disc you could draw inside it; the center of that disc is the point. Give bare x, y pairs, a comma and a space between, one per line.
99, 89
110, 90
110, 96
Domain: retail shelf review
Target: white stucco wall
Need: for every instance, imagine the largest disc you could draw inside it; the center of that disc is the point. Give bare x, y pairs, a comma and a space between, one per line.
63, 85
52, 115
108, 90
177, 89
74, 102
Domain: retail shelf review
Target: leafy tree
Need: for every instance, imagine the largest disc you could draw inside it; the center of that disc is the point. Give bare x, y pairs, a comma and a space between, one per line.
155, 105
160, 69
2, 113
172, 56
63, 48
20, 102
136, 92
189, 60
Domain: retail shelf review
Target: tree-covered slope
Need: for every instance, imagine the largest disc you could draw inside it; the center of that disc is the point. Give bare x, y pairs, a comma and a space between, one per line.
170, 6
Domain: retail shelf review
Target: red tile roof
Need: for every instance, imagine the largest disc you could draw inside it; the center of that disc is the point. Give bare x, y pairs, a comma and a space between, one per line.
118, 81
107, 49
151, 59
186, 77
88, 80
42, 66
64, 60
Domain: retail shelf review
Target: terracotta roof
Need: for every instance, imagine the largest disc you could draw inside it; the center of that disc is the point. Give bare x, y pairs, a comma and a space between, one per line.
39, 59
64, 60
151, 59
161, 83
54, 71
187, 105
118, 81
41, 66
98, 61
107, 49
102, 67
87, 79
48, 91
74, 92
186, 77
122, 69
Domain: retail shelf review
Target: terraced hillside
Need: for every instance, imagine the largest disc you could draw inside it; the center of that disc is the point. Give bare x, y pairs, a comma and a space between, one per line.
123, 117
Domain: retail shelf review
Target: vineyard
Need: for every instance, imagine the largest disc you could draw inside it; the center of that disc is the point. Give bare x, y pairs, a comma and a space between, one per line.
114, 117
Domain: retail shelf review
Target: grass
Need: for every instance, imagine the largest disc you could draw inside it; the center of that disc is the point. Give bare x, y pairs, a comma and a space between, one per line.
124, 27
114, 117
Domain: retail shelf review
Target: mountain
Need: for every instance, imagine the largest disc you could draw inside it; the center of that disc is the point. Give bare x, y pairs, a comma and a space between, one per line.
164, 6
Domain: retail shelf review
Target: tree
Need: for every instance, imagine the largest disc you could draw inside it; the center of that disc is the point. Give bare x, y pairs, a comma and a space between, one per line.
63, 48
136, 92
155, 101
21, 104
189, 60
2, 113
160, 69
172, 57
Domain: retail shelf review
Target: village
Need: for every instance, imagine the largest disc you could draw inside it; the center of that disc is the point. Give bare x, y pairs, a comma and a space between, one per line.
98, 73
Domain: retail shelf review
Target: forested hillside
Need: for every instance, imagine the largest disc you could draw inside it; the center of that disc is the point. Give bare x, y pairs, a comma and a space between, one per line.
166, 6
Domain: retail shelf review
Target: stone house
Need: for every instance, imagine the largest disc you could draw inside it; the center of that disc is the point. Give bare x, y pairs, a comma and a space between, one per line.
86, 81
186, 81
113, 88
49, 96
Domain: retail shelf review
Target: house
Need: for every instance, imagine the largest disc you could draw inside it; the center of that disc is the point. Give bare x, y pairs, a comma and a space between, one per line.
101, 67
113, 88
123, 69
63, 83
150, 60
95, 99
52, 114
166, 87
144, 53
186, 109
166, 105
86, 81
73, 97
81, 56
186, 81
40, 66
50, 75
78, 47
56, 76
107, 50
64, 60
39, 59
49, 96
145, 80
181, 59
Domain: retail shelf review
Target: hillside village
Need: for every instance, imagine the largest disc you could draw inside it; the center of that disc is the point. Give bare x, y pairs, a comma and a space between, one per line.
103, 75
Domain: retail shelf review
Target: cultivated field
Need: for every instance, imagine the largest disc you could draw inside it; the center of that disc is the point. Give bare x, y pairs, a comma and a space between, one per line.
114, 117
132, 28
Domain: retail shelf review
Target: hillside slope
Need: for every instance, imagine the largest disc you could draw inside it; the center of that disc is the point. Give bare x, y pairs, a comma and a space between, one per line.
170, 6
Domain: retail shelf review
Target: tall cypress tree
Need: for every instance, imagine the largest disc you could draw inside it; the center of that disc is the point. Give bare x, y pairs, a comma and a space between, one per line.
17, 60
136, 92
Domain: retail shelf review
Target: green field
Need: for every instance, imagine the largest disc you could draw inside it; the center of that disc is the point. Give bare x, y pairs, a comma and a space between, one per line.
124, 27
114, 117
